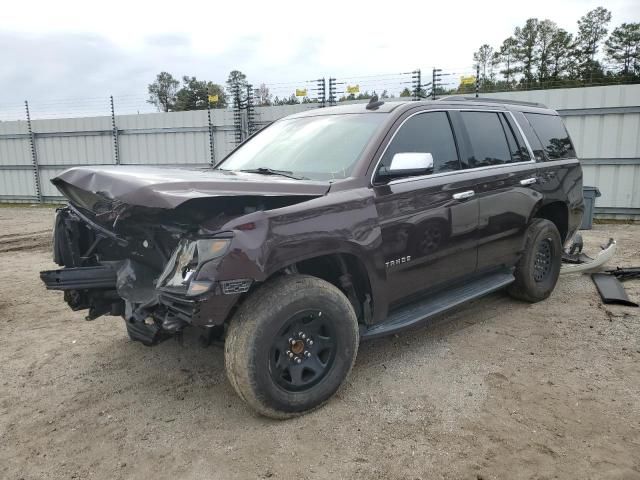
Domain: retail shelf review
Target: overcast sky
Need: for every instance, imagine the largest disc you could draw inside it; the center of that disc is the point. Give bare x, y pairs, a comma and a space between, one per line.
51, 51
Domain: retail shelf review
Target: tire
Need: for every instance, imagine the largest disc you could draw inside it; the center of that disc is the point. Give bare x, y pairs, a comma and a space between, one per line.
291, 345
538, 269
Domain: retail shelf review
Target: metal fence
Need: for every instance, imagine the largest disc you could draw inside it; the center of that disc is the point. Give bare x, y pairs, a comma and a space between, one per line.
604, 123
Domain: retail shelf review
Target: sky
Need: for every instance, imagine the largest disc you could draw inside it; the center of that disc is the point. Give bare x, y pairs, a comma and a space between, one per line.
71, 55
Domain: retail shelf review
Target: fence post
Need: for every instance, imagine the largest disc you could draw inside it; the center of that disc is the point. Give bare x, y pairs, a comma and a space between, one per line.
321, 92
34, 154
114, 130
251, 119
416, 80
237, 112
332, 91
435, 82
212, 160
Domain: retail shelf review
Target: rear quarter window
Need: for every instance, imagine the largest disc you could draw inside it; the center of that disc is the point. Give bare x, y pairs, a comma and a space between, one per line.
553, 135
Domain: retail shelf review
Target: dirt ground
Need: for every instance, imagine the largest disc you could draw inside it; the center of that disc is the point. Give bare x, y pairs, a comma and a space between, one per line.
496, 389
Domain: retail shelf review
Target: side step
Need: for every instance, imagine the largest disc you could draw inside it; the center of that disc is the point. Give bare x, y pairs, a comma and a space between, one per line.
421, 310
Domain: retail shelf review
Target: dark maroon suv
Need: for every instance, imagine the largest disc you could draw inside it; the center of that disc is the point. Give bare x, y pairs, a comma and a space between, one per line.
326, 228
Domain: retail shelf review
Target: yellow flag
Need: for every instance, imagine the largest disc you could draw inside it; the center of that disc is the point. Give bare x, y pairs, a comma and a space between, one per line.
213, 98
301, 92
353, 88
470, 80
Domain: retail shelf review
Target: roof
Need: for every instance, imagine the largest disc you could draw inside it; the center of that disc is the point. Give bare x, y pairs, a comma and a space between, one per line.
386, 107
454, 102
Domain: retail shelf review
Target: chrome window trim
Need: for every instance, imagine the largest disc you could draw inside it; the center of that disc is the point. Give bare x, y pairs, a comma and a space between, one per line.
524, 137
453, 172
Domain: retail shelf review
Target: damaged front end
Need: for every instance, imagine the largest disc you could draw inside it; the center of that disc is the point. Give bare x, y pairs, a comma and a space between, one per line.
164, 248
154, 269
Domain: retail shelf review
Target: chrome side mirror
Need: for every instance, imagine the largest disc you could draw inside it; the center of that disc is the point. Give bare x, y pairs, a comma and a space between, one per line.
410, 163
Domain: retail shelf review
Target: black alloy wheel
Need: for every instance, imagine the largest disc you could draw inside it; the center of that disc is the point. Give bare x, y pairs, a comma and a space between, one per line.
537, 271
543, 260
303, 351
291, 344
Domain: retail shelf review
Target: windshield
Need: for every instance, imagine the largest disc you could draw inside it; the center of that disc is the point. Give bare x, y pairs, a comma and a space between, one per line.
319, 148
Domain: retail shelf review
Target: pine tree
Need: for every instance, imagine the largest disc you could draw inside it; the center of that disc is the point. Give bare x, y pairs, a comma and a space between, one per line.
526, 41
592, 30
623, 48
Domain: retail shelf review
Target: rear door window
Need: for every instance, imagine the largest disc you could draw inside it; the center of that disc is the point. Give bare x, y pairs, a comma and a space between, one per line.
553, 136
489, 145
519, 151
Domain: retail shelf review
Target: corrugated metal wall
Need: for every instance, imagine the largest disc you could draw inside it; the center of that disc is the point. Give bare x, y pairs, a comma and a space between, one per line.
604, 123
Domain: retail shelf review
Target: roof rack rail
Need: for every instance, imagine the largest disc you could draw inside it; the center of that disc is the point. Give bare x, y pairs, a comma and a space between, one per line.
457, 98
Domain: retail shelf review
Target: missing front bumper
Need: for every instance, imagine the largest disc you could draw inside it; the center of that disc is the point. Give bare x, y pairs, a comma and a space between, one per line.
607, 253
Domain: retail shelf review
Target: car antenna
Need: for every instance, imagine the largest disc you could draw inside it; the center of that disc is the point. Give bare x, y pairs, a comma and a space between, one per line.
374, 103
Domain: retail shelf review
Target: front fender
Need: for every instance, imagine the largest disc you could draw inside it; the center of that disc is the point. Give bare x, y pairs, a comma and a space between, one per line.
266, 242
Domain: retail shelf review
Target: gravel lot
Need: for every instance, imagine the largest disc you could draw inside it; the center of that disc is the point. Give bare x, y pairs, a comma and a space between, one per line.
496, 389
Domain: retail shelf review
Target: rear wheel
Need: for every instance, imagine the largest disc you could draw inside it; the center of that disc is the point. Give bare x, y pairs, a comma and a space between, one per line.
291, 345
539, 267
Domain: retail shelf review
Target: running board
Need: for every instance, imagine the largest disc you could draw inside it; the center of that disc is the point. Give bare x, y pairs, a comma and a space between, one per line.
421, 310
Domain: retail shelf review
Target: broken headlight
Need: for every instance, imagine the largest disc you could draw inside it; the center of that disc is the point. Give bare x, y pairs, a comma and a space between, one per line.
187, 259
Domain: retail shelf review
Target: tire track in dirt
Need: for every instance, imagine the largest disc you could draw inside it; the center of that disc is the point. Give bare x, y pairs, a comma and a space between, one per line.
13, 242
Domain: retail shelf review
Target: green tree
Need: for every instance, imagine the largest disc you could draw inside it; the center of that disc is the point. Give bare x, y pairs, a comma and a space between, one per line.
592, 30
623, 48
236, 77
508, 54
263, 96
194, 95
364, 96
546, 31
237, 87
162, 92
406, 92
561, 55
214, 89
484, 58
526, 42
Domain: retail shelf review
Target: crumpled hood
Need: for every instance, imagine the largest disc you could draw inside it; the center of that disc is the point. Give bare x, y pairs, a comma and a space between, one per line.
169, 187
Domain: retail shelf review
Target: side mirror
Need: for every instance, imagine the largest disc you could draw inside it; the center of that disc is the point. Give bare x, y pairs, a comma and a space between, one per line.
410, 163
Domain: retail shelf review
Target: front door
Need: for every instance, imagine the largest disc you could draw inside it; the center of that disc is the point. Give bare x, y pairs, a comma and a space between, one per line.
429, 221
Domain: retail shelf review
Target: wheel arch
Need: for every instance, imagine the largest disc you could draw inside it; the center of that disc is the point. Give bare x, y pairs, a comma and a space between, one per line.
345, 270
556, 212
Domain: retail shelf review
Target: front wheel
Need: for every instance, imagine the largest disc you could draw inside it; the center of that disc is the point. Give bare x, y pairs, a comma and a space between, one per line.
291, 345
539, 267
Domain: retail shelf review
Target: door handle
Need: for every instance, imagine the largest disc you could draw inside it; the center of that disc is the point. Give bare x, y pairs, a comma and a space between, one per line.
529, 181
463, 195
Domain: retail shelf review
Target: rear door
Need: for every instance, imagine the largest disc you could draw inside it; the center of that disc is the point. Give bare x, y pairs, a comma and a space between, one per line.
504, 172
428, 221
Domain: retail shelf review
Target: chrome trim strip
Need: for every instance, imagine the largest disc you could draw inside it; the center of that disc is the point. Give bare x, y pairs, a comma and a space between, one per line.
453, 172
524, 137
457, 172
570, 112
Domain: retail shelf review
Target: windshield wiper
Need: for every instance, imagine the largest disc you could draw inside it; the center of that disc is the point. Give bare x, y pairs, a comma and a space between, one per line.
271, 171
